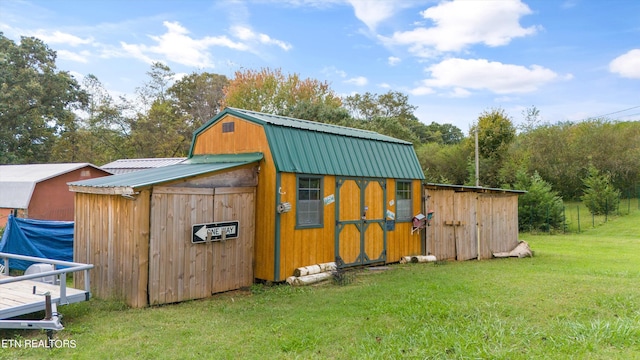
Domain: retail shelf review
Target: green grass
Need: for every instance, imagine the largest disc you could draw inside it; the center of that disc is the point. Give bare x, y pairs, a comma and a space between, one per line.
578, 298
578, 218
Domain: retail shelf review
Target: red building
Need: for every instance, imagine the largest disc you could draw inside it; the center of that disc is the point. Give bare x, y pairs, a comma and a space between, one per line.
40, 191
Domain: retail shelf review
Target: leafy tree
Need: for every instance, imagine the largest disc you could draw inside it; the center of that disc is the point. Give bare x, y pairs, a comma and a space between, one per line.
391, 114
273, 92
444, 163
368, 106
158, 133
445, 133
160, 130
36, 101
390, 126
532, 119
540, 208
600, 197
198, 97
611, 147
102, 133
495, 134
561, 153
322, 113
155, 89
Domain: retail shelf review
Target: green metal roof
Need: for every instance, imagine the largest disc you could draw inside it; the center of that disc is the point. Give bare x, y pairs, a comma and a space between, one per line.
191, 167
309, 147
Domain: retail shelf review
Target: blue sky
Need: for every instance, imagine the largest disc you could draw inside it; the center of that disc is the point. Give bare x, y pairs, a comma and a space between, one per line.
571, 59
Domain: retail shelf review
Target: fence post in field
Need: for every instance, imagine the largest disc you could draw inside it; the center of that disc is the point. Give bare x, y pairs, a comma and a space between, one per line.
531, 219
564, 219
606, 209
548, 221
578, 207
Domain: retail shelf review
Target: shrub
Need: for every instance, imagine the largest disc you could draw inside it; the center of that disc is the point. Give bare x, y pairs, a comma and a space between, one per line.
600, 197
541, 207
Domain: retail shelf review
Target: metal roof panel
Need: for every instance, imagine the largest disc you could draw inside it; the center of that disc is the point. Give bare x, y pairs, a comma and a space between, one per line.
195, 166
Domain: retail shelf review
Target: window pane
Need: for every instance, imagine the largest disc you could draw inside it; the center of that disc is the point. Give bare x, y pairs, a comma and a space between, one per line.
403, 200
309, 206
403, 209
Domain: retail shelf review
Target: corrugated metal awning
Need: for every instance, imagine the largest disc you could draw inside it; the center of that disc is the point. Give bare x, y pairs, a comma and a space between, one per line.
129, 183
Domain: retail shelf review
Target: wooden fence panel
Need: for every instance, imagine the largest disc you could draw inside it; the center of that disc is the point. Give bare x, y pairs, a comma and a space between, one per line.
465, 209
440, 235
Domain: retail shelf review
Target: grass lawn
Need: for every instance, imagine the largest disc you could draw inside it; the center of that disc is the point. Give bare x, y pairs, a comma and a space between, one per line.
578, 298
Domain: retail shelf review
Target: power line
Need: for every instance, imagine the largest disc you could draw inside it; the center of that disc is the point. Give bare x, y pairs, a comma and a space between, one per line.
627, 115
615, 112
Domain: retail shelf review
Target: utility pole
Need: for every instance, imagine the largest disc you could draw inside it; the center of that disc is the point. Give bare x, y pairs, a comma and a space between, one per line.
477, 160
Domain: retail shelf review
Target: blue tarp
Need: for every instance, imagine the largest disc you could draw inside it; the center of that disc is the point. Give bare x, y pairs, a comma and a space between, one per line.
39, 238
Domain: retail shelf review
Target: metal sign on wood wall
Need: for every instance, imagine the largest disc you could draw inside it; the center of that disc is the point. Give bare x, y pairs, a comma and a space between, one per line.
217, 231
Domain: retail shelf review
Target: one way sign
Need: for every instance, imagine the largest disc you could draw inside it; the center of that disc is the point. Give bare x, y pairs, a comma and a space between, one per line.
215, 231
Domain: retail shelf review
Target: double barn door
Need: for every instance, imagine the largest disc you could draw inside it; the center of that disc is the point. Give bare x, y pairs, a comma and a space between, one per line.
182, 270
360, 237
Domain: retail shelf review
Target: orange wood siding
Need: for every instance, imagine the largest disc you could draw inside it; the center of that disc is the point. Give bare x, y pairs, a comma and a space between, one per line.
302, 247
249, 137
400, 242
246, 137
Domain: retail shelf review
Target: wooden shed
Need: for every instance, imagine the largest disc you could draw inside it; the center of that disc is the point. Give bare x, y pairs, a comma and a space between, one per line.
470, 222
40, 191
150, 233
304, 193
325, 193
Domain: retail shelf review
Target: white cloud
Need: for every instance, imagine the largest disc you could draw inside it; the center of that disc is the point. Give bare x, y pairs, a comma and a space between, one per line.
178, 76
494, 76
358, 81
384, 85
136, 51
421, 90
332, 70
627, 65
176, 45
72, 56
394, 60
58, 37
246, 34
459, 24
373, 12
459, 93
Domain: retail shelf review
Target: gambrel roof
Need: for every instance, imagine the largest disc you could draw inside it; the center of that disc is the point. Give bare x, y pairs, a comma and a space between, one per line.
309, 147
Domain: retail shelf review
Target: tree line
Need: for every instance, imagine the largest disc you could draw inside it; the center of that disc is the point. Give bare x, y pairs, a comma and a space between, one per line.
47, 116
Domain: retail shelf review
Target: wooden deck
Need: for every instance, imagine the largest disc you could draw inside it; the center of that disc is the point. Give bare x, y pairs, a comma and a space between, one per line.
17, 298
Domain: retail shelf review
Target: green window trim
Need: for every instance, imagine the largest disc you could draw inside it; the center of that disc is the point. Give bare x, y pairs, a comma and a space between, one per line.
309, 202
404, 201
